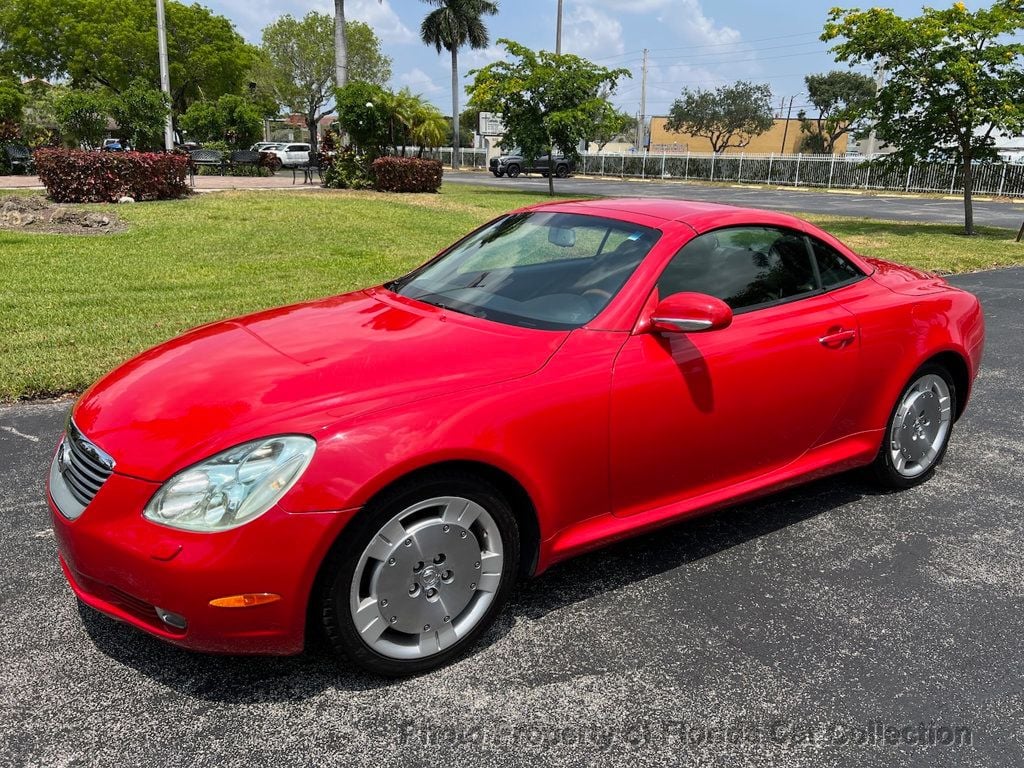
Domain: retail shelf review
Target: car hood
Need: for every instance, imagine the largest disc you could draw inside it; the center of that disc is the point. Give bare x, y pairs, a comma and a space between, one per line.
294, 369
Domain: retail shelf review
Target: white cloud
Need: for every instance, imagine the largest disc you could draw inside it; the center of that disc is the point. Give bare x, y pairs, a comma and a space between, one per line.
590, 32
418, 81
251, 16
380, 16
474, 59
688, 17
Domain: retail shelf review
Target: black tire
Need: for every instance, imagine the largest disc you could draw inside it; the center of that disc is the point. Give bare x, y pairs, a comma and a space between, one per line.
513, 171
561, 170
882, 469
275, 164
340, 568
498, 174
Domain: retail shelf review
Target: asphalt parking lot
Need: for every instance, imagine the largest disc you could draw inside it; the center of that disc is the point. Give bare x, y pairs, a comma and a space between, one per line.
789, 632
892, 207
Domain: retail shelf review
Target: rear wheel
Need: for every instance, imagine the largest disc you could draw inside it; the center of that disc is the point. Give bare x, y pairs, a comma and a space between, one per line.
513, 171
421, 574
918, 430
562, 170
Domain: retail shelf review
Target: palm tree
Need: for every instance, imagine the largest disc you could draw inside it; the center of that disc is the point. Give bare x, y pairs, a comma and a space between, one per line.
429, 127
340, 45
454, 24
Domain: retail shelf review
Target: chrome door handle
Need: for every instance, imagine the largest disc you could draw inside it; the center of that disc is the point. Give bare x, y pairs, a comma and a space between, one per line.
836, 339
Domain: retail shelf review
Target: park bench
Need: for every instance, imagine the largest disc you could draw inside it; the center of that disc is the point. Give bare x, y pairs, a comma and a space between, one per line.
210, 158
18, 157
308, 168
242, 158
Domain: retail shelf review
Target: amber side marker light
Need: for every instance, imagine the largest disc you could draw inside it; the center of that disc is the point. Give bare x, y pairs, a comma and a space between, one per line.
245, 601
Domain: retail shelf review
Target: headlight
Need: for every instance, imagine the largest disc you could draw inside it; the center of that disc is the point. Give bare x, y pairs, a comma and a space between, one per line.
233, 487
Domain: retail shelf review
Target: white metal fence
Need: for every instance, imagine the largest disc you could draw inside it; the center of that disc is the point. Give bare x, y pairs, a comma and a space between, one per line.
824, 171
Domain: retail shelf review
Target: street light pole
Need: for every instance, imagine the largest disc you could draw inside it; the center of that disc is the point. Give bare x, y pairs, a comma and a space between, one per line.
165, 75
558, 32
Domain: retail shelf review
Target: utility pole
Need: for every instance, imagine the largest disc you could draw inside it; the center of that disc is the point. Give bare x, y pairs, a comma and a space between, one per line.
641, 133
165, 75
789, 114
558, 32
879, 82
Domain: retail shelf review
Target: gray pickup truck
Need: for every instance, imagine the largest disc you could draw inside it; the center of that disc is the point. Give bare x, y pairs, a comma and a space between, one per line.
512, 165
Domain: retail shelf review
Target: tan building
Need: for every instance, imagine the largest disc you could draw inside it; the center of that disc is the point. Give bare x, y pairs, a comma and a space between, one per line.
666, 141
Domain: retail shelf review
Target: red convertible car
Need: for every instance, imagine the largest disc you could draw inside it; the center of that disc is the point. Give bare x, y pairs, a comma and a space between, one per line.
389, 462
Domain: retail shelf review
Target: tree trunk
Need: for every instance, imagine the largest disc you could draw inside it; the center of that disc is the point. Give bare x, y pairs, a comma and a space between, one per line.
340, 45
455, 109
311, 125
968, 194
551, 171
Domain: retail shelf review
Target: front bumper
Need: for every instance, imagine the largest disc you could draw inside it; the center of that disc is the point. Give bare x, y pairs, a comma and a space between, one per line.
125, 566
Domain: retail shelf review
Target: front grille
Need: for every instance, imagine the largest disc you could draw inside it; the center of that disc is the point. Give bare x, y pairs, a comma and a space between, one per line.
83, 465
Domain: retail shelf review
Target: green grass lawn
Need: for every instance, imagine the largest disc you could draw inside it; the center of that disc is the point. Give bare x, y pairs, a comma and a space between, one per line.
72, 307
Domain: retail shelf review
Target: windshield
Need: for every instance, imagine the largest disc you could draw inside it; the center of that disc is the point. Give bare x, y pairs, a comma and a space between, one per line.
536, 270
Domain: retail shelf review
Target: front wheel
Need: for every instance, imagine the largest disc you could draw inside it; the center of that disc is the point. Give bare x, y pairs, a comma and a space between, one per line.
918, 430
421, 574
498, 174
513, 171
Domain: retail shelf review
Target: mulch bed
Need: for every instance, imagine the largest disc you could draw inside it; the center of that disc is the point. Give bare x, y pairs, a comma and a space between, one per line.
34, 213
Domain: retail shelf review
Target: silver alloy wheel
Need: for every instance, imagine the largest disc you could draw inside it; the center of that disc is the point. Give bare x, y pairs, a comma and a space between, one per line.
427, 578
920, 426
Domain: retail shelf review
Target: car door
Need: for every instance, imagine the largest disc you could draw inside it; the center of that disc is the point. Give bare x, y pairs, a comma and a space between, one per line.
297, 154
692, 413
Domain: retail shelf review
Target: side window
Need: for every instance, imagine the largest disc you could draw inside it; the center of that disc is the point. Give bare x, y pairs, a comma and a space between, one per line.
835, 269
744, 266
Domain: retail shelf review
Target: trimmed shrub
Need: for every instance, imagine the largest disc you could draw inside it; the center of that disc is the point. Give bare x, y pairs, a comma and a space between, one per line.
76, 176
406, 174
347, 169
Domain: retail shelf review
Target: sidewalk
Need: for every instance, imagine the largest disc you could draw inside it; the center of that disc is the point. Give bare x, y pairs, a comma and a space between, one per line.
282, 180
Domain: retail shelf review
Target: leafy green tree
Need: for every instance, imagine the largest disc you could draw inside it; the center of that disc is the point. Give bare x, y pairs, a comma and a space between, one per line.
729, 116
548, 101
12, 100
363, 114
611, 123
39, 124
367, 62
453, 25
110, 43
840, 99
233, 120
954, 78
298, 63
141, 113
82, 115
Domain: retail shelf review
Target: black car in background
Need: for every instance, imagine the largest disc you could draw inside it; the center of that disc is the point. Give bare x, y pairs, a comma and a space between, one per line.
513, 164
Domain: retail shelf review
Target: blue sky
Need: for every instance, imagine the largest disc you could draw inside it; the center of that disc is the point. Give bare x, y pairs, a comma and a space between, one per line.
693, 43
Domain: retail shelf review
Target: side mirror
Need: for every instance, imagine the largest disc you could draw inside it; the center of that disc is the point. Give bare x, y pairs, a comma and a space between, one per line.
690, 313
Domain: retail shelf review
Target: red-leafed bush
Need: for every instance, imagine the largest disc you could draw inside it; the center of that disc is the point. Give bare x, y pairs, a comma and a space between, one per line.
406, 174
75, 176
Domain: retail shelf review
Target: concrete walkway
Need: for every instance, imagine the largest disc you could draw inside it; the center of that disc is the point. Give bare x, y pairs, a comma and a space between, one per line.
282, 180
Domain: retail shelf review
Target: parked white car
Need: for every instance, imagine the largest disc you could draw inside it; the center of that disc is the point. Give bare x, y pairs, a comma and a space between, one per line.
289, 154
